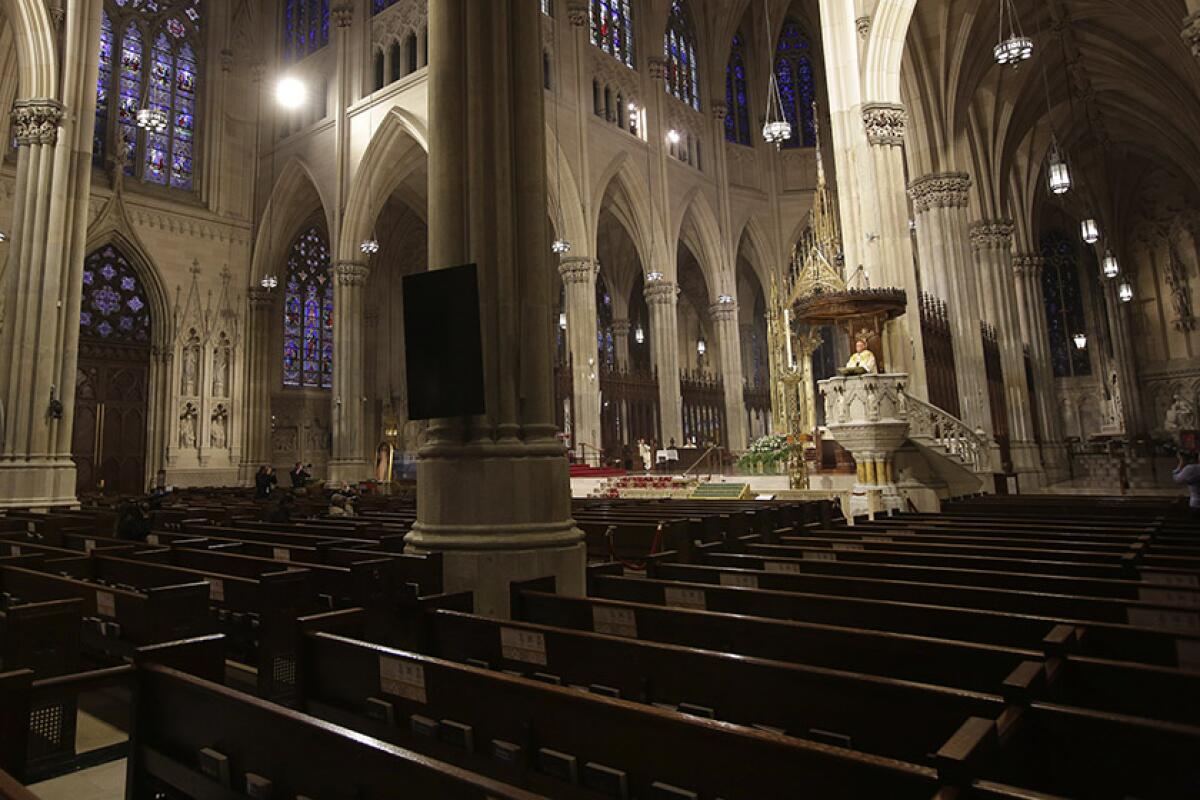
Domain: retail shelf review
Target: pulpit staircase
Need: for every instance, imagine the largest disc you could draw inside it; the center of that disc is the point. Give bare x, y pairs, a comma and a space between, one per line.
956, 454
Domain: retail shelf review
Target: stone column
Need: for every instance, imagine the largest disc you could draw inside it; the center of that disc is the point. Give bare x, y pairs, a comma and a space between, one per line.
940, 202
992, 243
1031, 308
579, 281
1125, 359
725, 326
885, 126
621, 329
661, 299
493, 494
1191, 26
256, 449
347, 459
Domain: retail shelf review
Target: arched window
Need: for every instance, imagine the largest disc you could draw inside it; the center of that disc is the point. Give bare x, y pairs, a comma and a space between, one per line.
305, 27
148, 60
308, 313
380, 5
679, 46
604, 325
114, 307
1064, 305
737, 102
612, 28
794, 72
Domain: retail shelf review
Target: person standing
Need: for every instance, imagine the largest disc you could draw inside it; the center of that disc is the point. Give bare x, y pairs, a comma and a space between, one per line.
264, 481
299, 476
1188, 474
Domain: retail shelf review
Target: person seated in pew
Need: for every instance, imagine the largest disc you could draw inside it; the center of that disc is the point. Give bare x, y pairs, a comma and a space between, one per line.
132, 523
340, 507
1188, 474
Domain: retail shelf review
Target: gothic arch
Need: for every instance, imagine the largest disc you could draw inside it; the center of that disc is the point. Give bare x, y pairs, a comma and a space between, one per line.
37, 55
112, 228
885, 49
294, 198
630, 204
758, 254
697, 228
575, 225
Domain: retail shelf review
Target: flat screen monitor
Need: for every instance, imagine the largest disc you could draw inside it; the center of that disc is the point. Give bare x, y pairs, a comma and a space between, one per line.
442, 343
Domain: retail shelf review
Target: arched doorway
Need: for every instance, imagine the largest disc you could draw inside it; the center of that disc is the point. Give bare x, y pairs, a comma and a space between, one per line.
108, 441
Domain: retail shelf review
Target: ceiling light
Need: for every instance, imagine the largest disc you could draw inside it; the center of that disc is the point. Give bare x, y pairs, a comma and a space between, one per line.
290, 92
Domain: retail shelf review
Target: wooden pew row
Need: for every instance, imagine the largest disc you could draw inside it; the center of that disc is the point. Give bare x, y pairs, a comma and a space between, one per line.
42, 636
296, 537
935, 617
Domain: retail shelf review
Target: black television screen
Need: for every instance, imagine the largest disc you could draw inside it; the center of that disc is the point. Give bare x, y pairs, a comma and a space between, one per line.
442, 343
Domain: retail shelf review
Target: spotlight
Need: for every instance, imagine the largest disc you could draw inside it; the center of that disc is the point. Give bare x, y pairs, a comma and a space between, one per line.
290, 92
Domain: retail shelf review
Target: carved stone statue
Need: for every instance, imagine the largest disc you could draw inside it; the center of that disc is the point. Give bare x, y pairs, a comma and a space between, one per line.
190, 367
1181, 416
187, 427
219, 433
221, 370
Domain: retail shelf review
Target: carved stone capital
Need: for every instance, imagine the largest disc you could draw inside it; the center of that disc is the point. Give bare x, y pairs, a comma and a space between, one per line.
719, 110
657, 67
226, 56
260, 299
577, 13
884, 123
940, 190
36, 121
350, 273
578, 269
1028, 266
660, 293
621, 327
863, 25
1191, 32
723, 312
991, 235
258, 70
343, 15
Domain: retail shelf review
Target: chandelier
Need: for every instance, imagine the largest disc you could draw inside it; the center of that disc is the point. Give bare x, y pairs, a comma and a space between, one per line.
776, 129
268, 282
1013, 46
369, 246
1080, 341
1059, 172
562, 320
560, 246
1112, 268
701, 347
1090, 231
1125, 291
639, 335
153, 120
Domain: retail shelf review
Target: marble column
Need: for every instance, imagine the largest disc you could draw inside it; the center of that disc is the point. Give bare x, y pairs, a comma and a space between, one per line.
943, 236
992, 243
662, 301
885, 126
621, 329
725, 325
256, 404
493, 493
347, 459
579, 282
1031, 309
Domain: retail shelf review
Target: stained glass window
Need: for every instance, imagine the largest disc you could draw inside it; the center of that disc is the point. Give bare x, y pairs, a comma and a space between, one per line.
612, 28
679, 46
308, 313
794, 72
548, 7
380, 5
737, 102
306, 26
605, 344
157, 69
114, 307
1064, 305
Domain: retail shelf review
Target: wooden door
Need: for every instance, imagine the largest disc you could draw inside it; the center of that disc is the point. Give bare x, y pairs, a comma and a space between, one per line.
109, 437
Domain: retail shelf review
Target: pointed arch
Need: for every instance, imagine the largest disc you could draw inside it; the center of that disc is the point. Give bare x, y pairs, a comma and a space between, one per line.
294, 199
621, 183
698, 229
885, 49
757, 244
576, 228
37, 56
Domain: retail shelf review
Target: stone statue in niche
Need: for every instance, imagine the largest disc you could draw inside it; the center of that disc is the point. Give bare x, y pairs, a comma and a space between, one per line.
189, 376
220, 386
219, 428
1181, 416
187, 427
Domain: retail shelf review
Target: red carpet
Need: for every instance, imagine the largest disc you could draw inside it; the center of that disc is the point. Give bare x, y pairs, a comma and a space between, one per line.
584, 471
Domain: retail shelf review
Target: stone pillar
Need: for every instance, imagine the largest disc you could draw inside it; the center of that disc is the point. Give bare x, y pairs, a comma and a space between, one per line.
725, 326
256, 449
940, 202
347, 459
579, 281
1031, 308
661, 299
885, 126
1191, 26
493, 493
621, 329
1125, 360
992, 243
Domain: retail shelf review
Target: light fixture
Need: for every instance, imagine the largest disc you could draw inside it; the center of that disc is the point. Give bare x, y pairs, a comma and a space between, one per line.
639, 335
1013, 46
1090, 230
1125, 291
3, 236
701, 346
725, 299
268, 282
290, 92
651, 277
1060, 173
1112, 268
776, 129
1080, 341
673, 136
562, 320
369, 246
153, 120
560, 246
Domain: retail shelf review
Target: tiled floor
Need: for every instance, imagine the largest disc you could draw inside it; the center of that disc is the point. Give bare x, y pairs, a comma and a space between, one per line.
105, 782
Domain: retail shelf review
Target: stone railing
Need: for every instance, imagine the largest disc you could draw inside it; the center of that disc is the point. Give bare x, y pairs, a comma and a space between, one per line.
930, 424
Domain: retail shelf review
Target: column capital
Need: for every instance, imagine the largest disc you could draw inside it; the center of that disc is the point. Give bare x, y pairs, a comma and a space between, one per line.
621, 327
660, 293
578, 12
723, 312
1028, 266
863, 26
1191, 32
940, 190
36, 121
884, 123
260, 298
578, 269
991, 234
719, 111
657, 67
342, 15
350, 273
226, 57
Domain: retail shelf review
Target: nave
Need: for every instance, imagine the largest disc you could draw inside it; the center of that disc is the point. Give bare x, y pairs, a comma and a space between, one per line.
1005, 648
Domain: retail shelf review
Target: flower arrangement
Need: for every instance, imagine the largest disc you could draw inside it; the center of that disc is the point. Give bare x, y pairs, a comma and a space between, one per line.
767, 453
